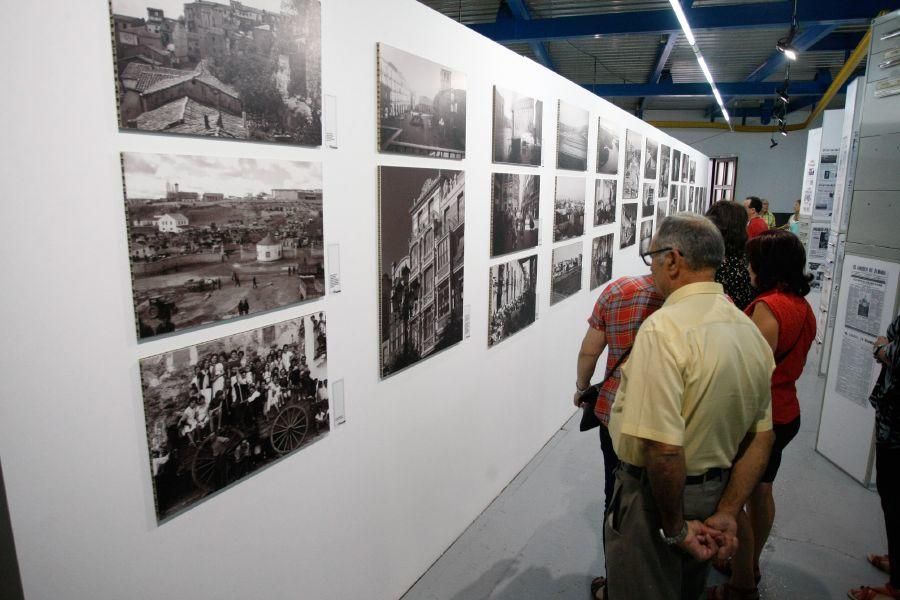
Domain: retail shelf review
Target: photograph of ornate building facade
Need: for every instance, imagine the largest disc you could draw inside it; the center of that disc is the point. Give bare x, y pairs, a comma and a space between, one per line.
421, 233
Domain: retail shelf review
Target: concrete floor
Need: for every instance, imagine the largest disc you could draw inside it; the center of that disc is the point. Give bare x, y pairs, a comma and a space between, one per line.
541, 537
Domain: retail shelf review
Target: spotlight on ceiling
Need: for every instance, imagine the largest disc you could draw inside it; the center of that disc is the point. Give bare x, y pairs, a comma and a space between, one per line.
783, 95
784, 132
780, 121
784, 46
773, 144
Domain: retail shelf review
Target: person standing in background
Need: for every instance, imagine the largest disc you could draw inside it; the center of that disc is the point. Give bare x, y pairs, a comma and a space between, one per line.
768, 217
756, 224
730, 218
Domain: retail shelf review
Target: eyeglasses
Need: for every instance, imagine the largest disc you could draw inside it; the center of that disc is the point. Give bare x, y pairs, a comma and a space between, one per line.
647, 257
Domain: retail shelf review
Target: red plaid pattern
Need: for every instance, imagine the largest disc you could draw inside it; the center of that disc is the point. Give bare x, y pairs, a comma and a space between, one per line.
619, 311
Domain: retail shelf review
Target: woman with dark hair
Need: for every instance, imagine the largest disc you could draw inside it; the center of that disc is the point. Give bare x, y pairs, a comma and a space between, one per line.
731, 220
787, 322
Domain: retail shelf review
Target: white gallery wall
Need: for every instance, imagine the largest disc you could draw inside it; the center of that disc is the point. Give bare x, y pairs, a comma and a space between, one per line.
765, 172
364, 511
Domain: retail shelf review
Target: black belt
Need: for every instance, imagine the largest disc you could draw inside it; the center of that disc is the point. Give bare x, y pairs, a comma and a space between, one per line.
712, 474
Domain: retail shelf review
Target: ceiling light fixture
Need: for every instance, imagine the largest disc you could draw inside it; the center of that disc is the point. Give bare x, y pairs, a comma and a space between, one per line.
785, 47
689, 36
784, 132
783, 96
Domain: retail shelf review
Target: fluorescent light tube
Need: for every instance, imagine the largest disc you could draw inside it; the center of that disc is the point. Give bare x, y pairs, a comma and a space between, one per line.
705, 69
682, 19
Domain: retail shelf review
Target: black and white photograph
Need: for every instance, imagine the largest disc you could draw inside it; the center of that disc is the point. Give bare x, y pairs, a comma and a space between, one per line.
601, 260
608, 143
651, 160
664, 163
227, 70
673, 199
661, 213
676, 165
685, 167
219, 411
421, 257
632, 181
682, 198
571, 139
568, 208
518, 128
605, 201
515, 218
511, 306
646, 235
648, 200
421, 106
629, 224
565, 275
692, 174
212, 238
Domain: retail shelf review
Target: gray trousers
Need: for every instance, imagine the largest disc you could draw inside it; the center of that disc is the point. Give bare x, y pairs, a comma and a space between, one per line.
638, 563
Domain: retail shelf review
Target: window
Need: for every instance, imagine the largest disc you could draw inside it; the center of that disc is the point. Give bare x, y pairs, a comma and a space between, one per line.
724, 178
443, 299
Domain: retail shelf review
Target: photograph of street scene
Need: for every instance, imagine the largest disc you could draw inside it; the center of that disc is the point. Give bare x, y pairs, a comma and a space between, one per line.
565, 278
682, 198
646, 235
661, 213
692, 173
220, 69
601, 260
629, 224
650, 160
515, 200
676, 165
685, 167
608, 140
568, 208
633, 145
421, 257
571, 140
648, 200
664, 161
421, 106
221, 410
518, 128
215, 238
673, 199
605, 201
511, 306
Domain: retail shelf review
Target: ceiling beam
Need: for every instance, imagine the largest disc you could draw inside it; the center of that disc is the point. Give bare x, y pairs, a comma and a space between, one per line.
742, 16
802, 42
520, 13
733, 89
665, 51
838, 41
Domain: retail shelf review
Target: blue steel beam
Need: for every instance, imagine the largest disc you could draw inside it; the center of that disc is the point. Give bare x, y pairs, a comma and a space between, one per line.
663, 57
521, 13
803, 41
838, 41
743, 16
734, 89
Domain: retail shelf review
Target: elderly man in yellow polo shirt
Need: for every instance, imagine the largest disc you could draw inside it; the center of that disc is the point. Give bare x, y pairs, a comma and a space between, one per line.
691, 423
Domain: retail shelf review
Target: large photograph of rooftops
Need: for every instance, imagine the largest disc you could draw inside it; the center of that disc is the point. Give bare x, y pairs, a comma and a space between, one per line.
215, 238
229, 69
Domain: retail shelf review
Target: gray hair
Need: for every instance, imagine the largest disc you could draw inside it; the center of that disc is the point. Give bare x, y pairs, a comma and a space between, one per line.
695, 237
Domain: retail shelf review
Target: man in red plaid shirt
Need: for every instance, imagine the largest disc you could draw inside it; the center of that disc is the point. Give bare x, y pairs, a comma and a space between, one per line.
616, 318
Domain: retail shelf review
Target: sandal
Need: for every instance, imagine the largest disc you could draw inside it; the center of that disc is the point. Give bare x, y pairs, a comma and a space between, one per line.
598, 585
880, 561
726, 591
873, 593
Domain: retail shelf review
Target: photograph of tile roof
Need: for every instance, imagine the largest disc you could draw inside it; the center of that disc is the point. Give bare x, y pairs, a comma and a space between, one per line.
186, 116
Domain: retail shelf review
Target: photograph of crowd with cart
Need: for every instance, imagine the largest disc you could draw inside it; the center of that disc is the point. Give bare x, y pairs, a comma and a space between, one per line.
607, 147
601, 260
661, 213
515, 218
631, 185
648, 200
650, 160
421, 257
629, 224
605, 201
565, 277
676, 165
511, 306
664, 161
646, 234
421, 106
221, 410
568, 208
518, 128
571, 140
214, 238
228, 70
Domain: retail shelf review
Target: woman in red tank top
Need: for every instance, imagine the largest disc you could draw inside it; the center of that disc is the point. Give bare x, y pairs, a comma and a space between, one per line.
784, 317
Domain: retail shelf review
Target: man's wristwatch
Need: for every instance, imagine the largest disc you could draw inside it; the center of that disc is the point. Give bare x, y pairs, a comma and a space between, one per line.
675, 539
